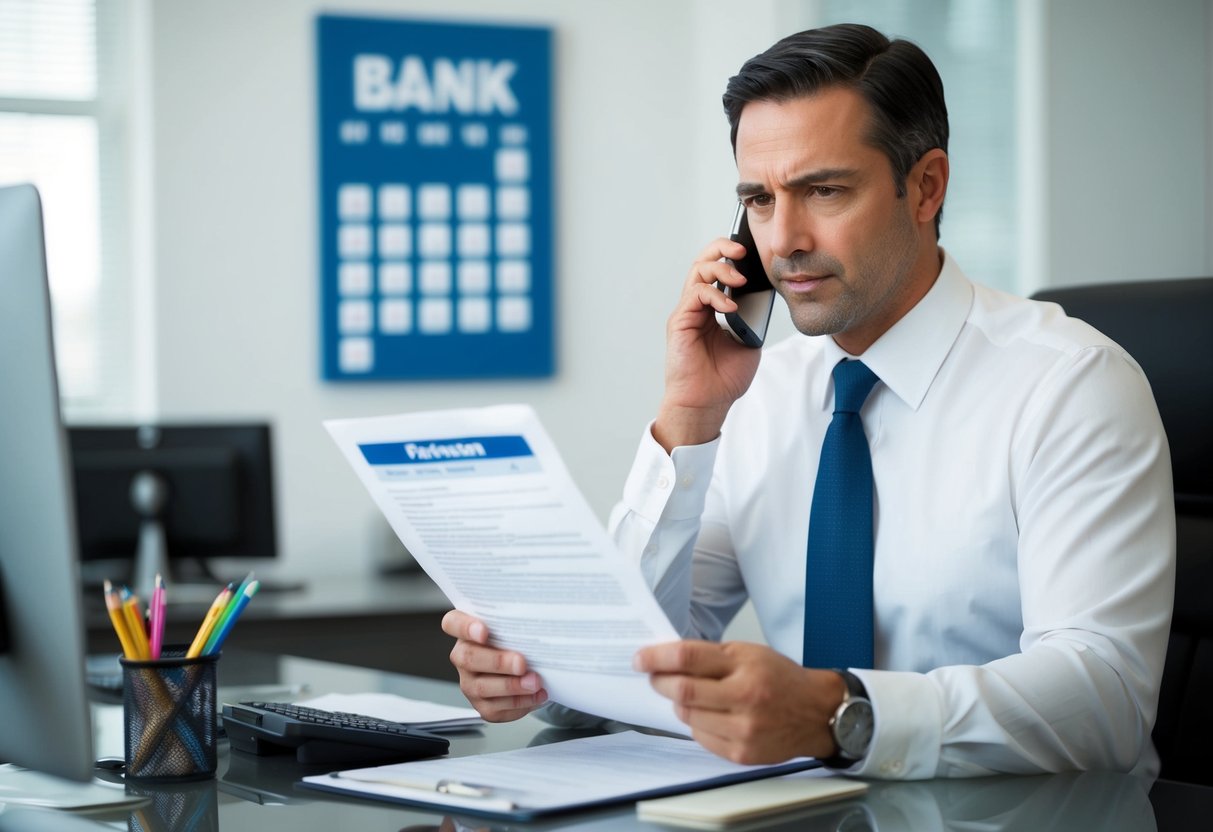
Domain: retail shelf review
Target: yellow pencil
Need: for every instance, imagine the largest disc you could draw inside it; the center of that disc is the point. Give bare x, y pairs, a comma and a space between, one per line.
118, 619
208, 623
134, 621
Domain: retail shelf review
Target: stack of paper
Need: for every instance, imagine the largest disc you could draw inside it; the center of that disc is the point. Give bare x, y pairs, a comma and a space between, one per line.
389, 707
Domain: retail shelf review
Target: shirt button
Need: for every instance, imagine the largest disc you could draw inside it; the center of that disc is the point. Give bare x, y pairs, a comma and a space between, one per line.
687, 481
663, 482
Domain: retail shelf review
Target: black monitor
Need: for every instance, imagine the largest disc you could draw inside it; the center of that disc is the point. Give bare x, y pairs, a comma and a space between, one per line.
171, 498
43, 705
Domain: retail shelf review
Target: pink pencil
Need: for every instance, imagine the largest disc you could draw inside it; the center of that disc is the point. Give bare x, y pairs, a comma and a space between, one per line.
157, 616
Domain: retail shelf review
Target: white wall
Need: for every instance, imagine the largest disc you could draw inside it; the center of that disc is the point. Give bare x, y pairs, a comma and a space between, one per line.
1125, 170
234, 180
1120, 119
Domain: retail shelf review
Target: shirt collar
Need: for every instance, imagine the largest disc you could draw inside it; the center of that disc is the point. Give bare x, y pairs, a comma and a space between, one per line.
908, 357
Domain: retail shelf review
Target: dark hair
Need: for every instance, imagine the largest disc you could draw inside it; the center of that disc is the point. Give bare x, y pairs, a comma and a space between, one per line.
895, 77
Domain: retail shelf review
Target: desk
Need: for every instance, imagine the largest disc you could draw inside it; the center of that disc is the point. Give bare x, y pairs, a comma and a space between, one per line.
378, 622
258, 793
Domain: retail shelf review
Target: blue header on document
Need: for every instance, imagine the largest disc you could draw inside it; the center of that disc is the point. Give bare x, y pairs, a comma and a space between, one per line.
475, 456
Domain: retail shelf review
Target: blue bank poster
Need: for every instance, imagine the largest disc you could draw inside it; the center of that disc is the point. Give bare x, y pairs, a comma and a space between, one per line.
435, 199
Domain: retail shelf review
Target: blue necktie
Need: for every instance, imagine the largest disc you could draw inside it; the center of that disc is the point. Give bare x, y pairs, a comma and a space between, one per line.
838, 578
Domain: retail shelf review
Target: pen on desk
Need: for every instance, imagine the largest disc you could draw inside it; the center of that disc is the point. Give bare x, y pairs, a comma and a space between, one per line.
157, 617
452, 788
135, 623
208, 622
118, 618
235, 608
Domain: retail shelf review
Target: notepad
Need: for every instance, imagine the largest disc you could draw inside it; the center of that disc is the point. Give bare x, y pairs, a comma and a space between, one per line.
718, 808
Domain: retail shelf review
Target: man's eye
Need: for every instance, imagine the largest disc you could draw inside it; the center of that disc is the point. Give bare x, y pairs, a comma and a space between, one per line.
759, 201
825, 191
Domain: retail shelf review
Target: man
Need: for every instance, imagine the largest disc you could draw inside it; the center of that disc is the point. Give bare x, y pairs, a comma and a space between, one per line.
1014, 557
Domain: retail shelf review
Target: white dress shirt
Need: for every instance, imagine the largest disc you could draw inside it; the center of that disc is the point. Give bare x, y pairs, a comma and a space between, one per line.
1024, 533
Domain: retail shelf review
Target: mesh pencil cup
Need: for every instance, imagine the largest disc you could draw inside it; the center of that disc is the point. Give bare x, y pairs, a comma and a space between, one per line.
169, 718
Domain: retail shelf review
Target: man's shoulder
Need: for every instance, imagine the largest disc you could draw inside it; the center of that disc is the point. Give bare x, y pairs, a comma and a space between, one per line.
1013, 322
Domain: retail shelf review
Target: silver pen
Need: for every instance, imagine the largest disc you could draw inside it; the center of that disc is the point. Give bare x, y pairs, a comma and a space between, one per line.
446, 786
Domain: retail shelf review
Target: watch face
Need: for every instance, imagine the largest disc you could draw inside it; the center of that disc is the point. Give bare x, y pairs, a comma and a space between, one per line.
853, 729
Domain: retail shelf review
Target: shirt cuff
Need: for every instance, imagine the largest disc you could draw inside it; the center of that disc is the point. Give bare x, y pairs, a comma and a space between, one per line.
669, 486
909, 726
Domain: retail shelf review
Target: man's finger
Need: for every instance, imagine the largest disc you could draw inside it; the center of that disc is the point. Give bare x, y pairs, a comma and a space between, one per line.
467, 655
461, 625
687, 657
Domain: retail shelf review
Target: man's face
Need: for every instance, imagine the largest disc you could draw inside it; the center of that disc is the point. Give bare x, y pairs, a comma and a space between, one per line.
840, 246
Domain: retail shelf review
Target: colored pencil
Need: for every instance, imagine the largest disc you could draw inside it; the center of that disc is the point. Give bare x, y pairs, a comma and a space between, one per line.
208, 622
221, 633
113, 606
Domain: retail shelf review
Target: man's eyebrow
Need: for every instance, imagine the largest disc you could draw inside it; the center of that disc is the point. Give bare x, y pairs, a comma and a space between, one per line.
813, 177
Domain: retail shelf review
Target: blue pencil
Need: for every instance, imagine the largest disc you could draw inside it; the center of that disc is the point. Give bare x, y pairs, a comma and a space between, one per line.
221, 633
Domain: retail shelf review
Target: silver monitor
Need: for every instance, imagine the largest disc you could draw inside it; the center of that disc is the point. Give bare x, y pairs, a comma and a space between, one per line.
43, 704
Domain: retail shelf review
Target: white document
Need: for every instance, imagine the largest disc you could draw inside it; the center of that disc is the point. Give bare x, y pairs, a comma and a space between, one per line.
541, 779
484, 503
389, 707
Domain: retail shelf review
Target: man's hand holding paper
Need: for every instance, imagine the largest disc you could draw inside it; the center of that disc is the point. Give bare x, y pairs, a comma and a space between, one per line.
483, 502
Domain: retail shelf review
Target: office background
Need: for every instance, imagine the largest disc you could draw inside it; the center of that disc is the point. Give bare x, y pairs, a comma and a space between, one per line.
1096, 155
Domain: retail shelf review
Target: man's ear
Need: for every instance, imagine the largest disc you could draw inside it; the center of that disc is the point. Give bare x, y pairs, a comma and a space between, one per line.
928, 184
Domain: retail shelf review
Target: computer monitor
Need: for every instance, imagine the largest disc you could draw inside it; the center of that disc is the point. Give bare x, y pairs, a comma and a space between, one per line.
43, 703
170, 499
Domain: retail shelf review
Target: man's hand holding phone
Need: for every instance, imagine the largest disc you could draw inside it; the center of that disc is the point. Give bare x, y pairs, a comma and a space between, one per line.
707, 368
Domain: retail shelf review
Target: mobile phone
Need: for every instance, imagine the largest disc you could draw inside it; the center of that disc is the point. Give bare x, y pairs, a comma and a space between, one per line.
756, 298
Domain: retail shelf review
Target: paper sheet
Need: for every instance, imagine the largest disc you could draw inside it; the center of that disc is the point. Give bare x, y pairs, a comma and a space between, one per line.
484, 503
392, 708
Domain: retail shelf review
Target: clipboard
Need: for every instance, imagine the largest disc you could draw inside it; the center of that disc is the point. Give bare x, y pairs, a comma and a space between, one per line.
529, 783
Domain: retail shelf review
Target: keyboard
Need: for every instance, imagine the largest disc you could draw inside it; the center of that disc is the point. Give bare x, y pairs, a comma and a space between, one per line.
325, 737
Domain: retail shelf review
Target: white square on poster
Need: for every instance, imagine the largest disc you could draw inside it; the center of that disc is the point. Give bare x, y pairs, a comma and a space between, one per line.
434, 239
395, 316
435, 277
395, 240
472, 202
354, 241
395, 278
354, 278
512, 164
434, 201
472, 277
474, 315
434, 316
394, 202
513, 239
355, 355
513, 203
354, 202
473, 239
514, 276
354, 317
513, 313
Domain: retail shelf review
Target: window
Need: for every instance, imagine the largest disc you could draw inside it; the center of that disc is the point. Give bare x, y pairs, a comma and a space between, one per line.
973, 46
60, 130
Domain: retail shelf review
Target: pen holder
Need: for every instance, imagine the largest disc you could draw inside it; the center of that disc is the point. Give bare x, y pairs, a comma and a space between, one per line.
169, 717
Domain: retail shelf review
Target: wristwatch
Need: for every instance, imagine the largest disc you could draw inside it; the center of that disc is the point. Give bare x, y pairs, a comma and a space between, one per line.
852, 724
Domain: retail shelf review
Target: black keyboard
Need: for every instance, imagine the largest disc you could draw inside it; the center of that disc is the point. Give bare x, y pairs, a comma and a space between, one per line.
326, 737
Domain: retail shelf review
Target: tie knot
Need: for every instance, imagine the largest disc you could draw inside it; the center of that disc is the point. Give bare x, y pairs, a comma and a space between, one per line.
853, 381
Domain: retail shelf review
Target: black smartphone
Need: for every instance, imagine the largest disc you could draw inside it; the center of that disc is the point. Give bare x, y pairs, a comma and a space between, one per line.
756, 298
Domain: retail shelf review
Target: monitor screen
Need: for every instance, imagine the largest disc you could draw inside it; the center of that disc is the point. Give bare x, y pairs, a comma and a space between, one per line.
171, 498
42, 693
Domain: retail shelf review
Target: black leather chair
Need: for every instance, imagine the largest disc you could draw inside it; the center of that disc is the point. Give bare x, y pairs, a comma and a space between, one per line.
1167, 326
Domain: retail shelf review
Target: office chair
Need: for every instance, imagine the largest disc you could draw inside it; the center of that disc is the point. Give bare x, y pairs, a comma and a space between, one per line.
1167, 326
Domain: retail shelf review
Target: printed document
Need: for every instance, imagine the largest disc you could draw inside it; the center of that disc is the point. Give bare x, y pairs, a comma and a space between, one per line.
482, 500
